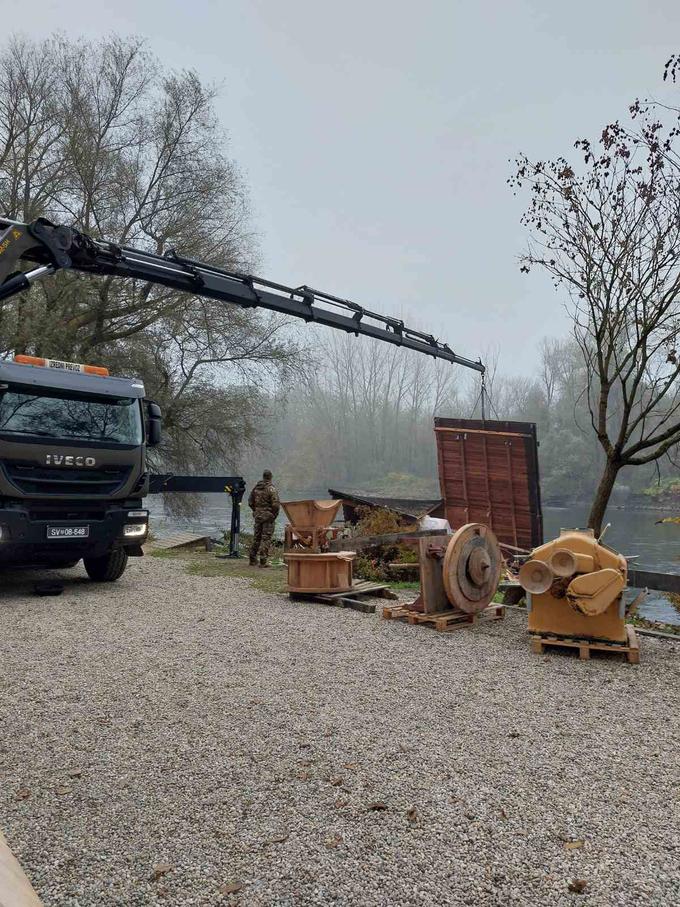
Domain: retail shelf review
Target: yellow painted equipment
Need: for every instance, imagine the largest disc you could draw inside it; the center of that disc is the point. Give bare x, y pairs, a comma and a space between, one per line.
575, 587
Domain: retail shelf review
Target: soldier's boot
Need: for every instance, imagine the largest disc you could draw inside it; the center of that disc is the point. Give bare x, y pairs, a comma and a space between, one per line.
253, 561
263, 562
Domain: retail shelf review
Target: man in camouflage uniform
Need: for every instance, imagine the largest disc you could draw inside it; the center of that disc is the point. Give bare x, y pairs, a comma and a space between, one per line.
264, 502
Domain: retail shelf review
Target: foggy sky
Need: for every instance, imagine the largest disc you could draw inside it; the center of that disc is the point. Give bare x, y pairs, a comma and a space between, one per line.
375, 135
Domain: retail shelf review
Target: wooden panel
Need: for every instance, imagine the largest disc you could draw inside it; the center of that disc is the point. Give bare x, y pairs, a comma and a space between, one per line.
488, 473
15, 889
432, 590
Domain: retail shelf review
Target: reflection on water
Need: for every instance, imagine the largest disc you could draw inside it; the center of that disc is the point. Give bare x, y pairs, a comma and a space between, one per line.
215, 514
632, 532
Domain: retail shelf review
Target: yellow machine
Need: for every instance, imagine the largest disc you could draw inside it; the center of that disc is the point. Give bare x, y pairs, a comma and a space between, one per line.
575, 587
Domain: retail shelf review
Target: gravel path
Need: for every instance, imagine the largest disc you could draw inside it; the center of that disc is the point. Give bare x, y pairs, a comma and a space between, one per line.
173, 738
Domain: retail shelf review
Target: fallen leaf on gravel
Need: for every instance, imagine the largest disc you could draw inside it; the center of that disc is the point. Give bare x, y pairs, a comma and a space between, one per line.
504, 815
75, 773
378, 806
351, 765
279, 839
336, 782
231, 887
412, 815
62, 789
514, 734
573, 845
159, 870
578, 886
22, 794
340, 803
303, 776
334, 841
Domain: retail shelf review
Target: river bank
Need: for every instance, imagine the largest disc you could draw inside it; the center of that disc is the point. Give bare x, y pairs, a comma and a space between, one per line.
634, 533
187, 739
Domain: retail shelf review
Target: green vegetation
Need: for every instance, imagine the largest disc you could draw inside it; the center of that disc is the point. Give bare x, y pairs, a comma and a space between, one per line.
672, 629
198, 562
667, 487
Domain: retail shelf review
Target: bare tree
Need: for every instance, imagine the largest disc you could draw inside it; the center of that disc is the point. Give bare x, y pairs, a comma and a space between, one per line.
608, 231
365, 418
100, 136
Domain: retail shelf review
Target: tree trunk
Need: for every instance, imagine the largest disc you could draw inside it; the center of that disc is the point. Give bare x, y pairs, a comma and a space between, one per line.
602, 495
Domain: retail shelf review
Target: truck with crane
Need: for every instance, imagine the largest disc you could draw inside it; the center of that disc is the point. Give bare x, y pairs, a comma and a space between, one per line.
74, 440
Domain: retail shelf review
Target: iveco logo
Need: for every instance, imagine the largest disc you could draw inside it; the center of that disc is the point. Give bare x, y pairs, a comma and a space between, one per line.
61, 460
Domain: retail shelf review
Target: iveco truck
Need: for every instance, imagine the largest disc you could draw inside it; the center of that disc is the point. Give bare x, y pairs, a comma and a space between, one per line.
73, 471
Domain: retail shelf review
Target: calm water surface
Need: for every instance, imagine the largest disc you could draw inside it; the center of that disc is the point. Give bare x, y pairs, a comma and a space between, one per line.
632, 532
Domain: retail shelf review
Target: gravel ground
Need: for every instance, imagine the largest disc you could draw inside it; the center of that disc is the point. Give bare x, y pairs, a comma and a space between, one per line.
180, 740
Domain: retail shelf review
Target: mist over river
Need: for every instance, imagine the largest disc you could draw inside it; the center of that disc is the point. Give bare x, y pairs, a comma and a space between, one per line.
632, 532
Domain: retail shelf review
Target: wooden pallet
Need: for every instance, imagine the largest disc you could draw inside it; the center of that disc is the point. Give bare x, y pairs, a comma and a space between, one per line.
350, 599
444, 621
586, 646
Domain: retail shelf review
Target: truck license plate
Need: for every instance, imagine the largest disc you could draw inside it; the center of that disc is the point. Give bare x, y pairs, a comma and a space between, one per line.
68, 532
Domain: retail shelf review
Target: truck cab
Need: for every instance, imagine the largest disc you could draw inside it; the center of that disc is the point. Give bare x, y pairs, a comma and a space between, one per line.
73, 470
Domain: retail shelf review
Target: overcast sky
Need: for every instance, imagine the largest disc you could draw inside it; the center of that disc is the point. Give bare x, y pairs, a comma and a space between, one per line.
375, 135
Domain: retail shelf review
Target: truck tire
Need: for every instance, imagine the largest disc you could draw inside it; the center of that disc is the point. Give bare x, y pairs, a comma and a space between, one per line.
108, 568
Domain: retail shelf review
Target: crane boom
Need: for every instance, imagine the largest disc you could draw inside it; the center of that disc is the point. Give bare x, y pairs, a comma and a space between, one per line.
52, 247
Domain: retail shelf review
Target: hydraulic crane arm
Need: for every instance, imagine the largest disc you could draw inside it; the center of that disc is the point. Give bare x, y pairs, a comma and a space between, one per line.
52, 248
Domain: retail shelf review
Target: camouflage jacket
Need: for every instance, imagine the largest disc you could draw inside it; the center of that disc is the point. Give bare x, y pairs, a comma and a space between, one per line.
264, 501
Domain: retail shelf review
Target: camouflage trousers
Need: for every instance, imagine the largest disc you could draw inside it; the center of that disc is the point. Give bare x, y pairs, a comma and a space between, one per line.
262, 539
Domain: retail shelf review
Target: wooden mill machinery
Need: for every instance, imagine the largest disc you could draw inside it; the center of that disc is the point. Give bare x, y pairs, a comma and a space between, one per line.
459, 576
312, 568
310, 527
574, 588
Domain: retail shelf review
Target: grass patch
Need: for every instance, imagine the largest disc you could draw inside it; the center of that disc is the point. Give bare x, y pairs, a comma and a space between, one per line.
270, 579
204, 563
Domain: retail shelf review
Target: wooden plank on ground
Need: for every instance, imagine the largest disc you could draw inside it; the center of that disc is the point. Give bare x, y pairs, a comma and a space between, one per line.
15, 889
182, 540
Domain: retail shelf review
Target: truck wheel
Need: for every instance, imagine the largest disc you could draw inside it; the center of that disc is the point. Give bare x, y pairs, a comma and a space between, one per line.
108, 568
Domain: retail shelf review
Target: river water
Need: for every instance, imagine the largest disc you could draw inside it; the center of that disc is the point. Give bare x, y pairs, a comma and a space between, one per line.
632, 532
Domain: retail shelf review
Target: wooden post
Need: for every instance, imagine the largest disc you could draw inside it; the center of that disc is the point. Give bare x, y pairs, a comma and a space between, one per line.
15, 889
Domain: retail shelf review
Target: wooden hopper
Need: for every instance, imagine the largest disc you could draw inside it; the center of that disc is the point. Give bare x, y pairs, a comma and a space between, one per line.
311, 514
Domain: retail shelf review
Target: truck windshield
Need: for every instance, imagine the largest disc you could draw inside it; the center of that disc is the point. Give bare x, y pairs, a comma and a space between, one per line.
80, 417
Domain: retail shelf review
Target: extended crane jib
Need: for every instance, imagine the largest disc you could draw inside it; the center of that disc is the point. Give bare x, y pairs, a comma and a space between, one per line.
52, 248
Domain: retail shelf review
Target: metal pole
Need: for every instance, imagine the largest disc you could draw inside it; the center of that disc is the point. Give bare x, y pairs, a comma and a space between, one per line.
235, 529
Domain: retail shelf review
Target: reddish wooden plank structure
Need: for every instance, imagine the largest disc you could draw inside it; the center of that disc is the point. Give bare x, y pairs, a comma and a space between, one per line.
488, 473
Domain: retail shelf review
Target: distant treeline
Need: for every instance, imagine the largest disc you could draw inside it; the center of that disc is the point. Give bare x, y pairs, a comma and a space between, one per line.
363, 419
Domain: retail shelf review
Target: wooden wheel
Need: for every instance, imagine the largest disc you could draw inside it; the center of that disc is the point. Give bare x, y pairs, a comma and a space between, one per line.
472, 567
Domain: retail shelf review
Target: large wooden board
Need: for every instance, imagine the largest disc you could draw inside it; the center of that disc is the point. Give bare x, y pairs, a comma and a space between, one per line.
488, 473
15, 889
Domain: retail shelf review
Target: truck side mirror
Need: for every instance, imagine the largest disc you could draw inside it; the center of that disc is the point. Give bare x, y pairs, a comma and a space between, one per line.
154, 422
